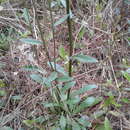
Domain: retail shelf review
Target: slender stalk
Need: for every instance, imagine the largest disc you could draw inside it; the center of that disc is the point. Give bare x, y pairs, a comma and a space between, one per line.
42, 36
53, 33
70, 36
70, 40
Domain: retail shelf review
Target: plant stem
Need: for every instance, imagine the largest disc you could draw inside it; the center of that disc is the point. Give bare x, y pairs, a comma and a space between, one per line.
70, 40
70, 36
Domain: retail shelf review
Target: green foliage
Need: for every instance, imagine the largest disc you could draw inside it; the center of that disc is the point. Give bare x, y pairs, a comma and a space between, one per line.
6, 38
30, 41
84, 59
111, 101
61, 105
107, 124
61, 20
5, 128
126, 75
2, 84
127, 2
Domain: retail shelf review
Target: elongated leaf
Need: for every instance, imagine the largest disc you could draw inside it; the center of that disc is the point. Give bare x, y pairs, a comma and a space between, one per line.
85, 89
107, 124
40, 119
64, 79
85, 59
29, 123
61, 20
62, 121
84, 122
62, 52
63, 97
38, 78
74, 100
127, 2
68, 85
2, 64
30, 41
52, 77
26, 15
100, 127
34, 68
17, 97
49, 104
86, 103
5, 128
58, 68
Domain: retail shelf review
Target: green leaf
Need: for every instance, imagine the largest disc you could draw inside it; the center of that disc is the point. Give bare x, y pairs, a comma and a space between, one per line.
40, 119
63, 97
100, 127
34, 68
29, 123
76, 127
107, 124
62, 121
84, 122
2, 84
98, 114
49, 104
127, 2
127, 89
84, 89
2, 65
81, 33
125, 100
31, 41
61, 20
74, 100
126, 75
38, 78
84, 59
6, 128
62, 52
68, 85
128, 40
26, 15
52, 76
58, 68
17, 97
64, 79
86, 103
2, 93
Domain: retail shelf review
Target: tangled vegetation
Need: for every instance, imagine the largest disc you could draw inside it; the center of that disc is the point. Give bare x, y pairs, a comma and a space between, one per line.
64, 65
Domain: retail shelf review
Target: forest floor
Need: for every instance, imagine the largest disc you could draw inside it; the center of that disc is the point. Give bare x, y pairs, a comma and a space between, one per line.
93, 35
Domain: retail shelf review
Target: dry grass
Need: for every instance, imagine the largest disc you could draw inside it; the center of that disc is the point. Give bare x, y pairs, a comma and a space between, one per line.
103, 39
